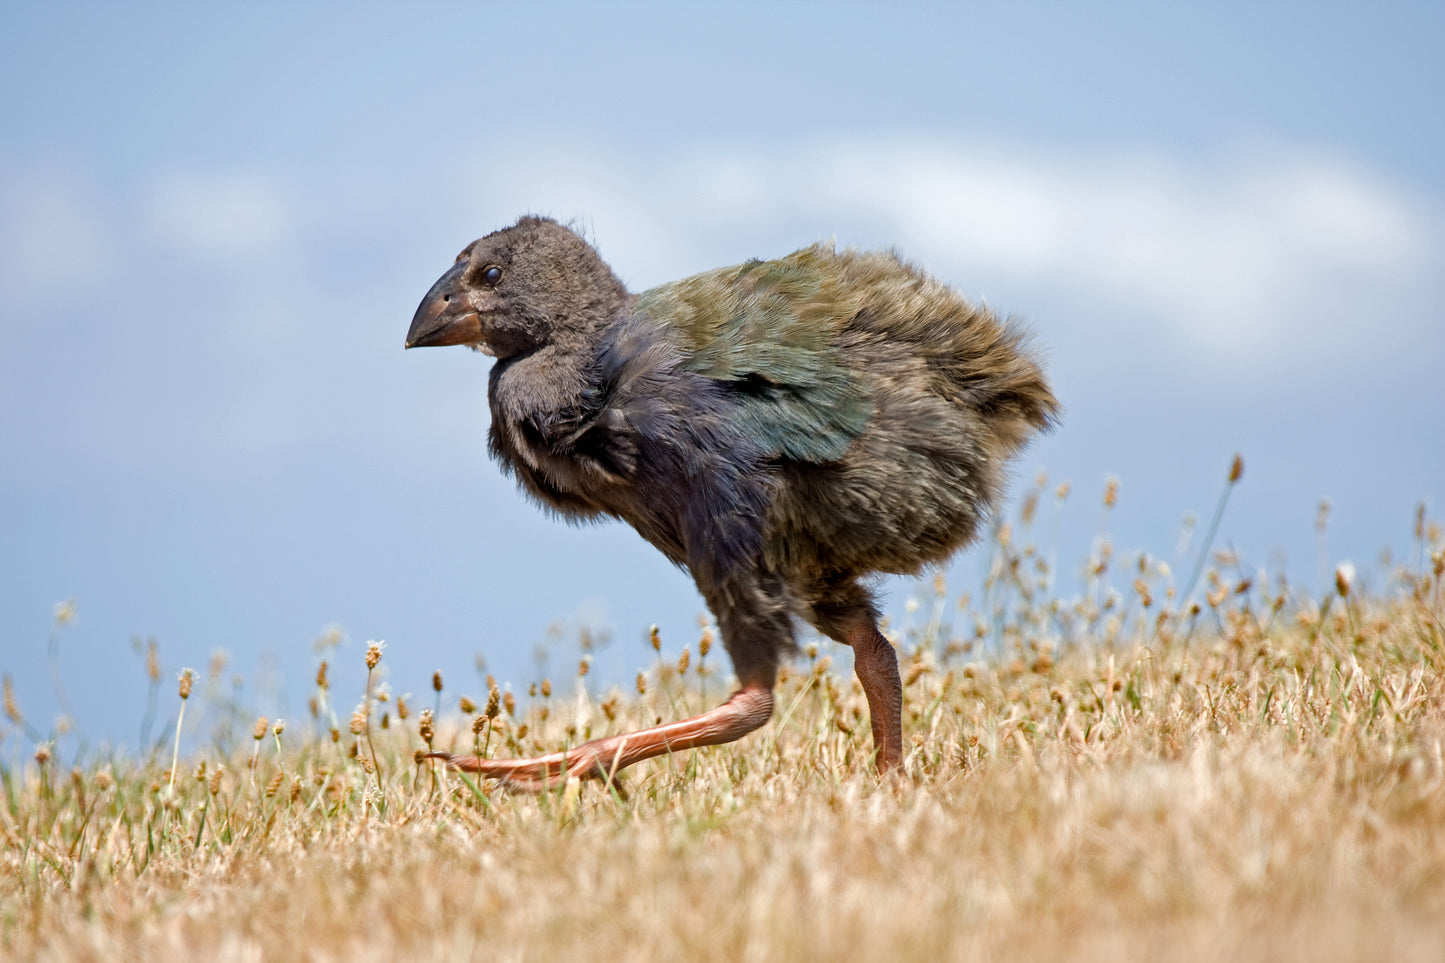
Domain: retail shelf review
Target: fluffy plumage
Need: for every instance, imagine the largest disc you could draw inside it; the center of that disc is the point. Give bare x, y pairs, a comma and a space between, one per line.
782, 429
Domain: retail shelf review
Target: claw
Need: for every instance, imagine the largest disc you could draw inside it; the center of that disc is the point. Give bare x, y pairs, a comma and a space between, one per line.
530, 775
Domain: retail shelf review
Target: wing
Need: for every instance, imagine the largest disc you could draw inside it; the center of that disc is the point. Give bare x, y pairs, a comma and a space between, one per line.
768, 332
658, 445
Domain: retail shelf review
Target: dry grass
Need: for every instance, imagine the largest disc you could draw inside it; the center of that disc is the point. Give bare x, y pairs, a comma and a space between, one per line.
1260, 780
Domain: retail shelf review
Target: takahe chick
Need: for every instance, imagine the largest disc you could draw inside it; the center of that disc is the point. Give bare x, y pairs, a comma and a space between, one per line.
780, 429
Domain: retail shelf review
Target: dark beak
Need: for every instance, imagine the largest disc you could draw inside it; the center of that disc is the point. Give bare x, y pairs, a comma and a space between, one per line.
444, 316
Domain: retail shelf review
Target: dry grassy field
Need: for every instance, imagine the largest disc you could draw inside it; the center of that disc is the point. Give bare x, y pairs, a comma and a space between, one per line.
1099, 777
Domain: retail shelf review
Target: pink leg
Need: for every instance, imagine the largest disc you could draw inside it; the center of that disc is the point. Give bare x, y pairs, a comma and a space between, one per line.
746, 710
843, 611
876, 665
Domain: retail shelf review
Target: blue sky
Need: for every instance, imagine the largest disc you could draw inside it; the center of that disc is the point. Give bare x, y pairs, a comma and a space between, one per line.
1224, 224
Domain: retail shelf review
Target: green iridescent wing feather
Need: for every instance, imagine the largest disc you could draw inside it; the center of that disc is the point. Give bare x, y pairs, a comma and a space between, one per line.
769, 329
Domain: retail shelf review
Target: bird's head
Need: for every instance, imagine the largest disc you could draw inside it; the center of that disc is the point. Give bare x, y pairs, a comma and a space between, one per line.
517, 289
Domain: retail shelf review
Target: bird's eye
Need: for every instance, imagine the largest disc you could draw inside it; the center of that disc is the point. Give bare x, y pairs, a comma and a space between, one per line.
492, 276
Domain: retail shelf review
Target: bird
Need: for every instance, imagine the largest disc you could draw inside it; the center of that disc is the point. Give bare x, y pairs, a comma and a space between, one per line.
783, 430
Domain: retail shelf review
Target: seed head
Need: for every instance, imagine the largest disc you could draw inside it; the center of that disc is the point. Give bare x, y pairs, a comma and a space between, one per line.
153, 661
509, 702
187, 679
1236, 469
683, 661
704, 644
466, 705
321, 682
218, 665
583, 667
641, 683
1031, 505
104, 780
546, 688
330, 638
403, 710
42, 753
358, 720
424, 726
215, 786
278, 728
64, 613
478, 724
494, 702
258, 731
436, 681
1344, 578
274, 784
12, 708
373, 653
1111, 492
654, 637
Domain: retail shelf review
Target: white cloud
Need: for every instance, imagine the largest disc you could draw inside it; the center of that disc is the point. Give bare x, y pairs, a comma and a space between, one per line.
1245, 254
1259, 252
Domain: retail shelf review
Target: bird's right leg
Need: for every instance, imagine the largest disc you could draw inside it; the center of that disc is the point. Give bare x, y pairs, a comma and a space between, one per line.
753, 615
746, 710
754, 628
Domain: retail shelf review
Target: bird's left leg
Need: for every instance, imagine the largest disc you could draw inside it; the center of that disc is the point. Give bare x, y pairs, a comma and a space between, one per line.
845, 614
